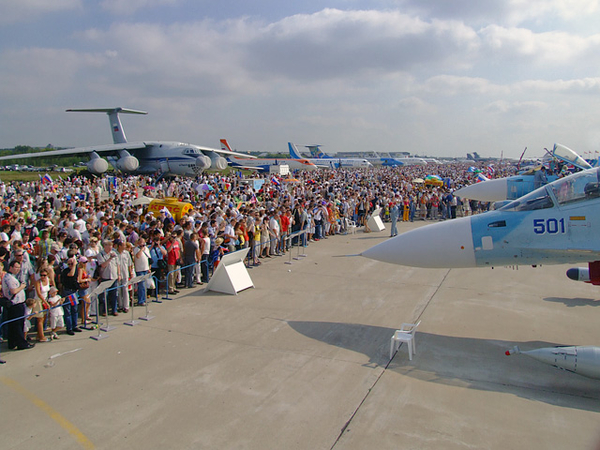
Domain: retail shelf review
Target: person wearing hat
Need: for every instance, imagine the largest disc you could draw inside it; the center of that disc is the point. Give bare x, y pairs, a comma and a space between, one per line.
107, 259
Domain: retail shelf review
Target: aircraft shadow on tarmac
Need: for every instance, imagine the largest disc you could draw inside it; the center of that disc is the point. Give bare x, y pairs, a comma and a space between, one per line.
464, 362
573, 302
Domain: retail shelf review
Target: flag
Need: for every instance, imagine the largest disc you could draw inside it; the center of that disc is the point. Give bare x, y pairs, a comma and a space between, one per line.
481, 177
46, 179
275, 181
253, 198
72, 299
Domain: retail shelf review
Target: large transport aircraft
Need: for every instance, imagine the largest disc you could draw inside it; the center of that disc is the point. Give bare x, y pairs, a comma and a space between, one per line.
321, 160
555, 224
145, 157
264, 164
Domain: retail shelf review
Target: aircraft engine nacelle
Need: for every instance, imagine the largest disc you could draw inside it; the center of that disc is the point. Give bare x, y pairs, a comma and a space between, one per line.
203, 162
97, 165
218, 162
127, 163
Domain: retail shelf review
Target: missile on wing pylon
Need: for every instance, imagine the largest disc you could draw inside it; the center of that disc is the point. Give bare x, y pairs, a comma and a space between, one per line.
583, 360
579, 274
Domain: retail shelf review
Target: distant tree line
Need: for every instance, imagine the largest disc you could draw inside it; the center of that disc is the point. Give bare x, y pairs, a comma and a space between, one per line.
63, 161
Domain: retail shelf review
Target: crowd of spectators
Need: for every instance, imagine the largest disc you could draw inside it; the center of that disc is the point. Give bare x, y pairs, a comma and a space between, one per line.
60, 238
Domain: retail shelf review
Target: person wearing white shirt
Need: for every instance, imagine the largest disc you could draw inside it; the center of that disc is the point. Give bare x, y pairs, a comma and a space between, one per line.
141, 264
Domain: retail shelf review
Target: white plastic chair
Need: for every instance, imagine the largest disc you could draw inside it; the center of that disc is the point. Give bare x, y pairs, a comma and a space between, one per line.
351, 227
406, 334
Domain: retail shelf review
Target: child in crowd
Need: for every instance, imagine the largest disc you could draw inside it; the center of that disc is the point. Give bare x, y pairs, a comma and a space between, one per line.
29, 304
56, 314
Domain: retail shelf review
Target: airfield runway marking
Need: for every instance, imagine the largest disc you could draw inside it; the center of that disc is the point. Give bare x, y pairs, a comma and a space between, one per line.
421, 312
54, 415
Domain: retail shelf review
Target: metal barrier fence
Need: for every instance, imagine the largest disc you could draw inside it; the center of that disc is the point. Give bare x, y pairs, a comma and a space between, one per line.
105, 287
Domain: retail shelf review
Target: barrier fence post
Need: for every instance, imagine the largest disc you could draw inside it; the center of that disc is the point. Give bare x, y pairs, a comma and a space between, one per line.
148, 316
156, 290
166, 297
101, 288
134, 281
289, 238
304, 245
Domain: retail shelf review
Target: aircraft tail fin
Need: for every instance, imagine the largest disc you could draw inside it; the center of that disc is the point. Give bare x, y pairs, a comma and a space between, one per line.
116, 128
294, 153
225, 145
316, 151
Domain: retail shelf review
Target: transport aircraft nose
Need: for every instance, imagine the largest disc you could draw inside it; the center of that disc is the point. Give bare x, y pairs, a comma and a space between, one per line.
441, 245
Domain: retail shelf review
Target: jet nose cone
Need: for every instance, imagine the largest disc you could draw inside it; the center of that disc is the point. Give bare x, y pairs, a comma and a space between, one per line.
486, 191
442, 245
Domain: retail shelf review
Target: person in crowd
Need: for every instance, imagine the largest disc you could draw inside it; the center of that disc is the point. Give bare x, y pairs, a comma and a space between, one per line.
56, 311
107, 259
14, 291
141, 262
126, 273
84, 280
70, 287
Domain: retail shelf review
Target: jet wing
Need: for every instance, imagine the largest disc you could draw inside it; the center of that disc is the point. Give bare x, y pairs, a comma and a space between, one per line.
228, 152
78, 150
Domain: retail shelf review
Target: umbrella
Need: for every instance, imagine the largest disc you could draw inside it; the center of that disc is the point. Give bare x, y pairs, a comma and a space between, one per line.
418, 180
205, 187
291, 180
142, 200
150, 188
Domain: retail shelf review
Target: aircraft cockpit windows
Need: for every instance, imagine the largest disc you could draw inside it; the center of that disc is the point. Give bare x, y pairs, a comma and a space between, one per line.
191, 151
538, 199
581, 186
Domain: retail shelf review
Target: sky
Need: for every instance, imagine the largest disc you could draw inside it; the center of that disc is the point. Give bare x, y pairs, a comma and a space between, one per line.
429, 77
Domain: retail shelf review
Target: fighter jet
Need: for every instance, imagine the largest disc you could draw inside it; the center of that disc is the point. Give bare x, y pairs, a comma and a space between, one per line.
511, 188
149, 157
554, 224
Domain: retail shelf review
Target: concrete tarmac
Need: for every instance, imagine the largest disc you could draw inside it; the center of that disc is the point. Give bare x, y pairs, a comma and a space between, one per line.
301, 361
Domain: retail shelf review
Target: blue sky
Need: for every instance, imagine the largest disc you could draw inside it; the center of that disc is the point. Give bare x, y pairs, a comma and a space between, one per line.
432, 77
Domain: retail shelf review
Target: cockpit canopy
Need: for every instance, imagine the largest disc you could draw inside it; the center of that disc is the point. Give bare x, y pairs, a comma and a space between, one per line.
574, 188
192, 151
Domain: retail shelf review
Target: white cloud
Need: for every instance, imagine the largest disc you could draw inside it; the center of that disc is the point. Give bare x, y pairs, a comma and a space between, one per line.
504, 12
17, 11
353, 79
453, 85
549, 48
128, 7
333, 43
416, 105
504, 107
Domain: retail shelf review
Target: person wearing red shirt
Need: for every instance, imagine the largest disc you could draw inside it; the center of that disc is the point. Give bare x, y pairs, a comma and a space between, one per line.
285, 227
173, 257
